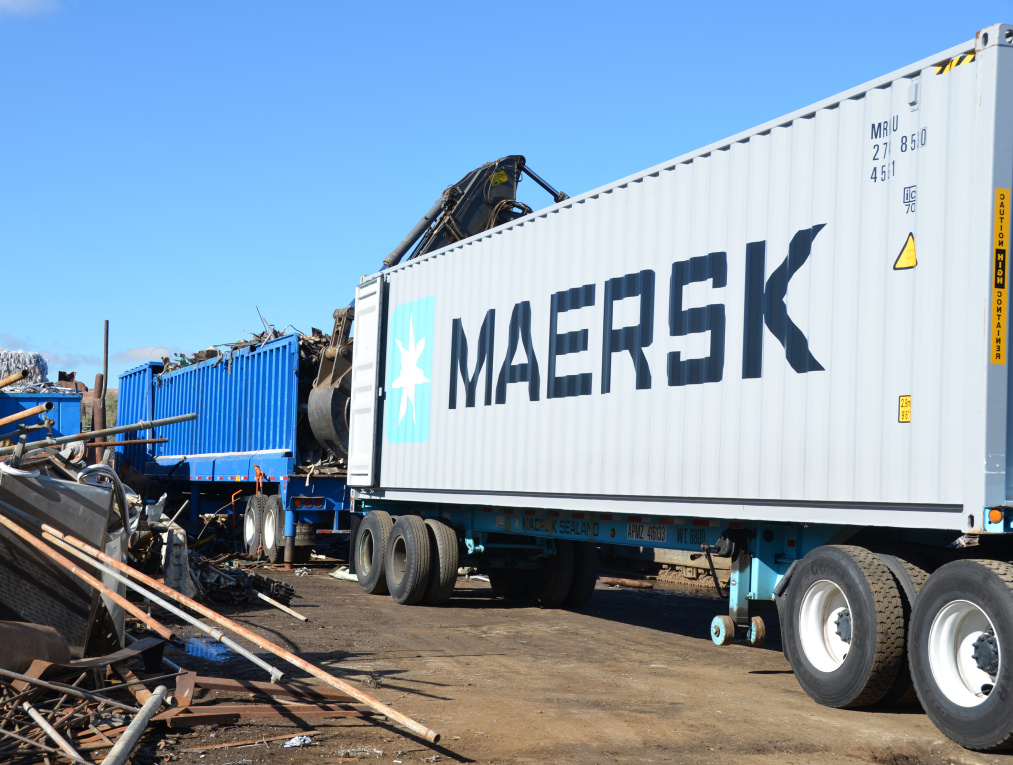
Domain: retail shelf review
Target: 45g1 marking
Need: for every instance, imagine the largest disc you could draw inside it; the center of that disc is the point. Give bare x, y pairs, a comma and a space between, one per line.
883, 172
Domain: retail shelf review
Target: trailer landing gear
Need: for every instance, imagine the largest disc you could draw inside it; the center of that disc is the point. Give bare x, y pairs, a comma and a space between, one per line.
724, 632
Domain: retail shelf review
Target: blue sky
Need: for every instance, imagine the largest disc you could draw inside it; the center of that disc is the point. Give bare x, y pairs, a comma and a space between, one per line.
172, 167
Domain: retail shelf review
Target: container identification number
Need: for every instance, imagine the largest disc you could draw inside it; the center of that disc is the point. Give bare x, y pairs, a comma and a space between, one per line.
882, 135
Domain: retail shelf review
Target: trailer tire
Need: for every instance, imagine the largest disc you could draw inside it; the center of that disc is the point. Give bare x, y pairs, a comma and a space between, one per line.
253, 524
370, 551
443, 555
585, 575
273, 530
910, 574
844, 632
965, 607
552, 583
508, 583
407, 560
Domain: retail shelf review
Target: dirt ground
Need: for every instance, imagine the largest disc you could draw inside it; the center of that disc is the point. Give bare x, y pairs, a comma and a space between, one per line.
632, 679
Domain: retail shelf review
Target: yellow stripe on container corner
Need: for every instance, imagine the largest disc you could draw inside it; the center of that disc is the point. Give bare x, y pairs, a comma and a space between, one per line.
1000, 235
966, 58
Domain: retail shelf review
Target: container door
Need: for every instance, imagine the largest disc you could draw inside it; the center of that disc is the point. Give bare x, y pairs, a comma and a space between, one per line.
363, 447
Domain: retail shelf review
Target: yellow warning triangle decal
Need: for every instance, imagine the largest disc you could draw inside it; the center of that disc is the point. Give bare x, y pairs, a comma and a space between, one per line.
907, 257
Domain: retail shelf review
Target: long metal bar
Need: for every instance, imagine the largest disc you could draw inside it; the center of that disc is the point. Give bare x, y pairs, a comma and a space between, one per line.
83, 575
26, 429
67, 690
14, 378
275, 673
53, 733
121, 751
253, 637
18, 416
282, 607
92, 434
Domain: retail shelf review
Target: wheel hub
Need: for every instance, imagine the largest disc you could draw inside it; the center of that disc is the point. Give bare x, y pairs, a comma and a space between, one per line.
963, 653
843, 624
986, 654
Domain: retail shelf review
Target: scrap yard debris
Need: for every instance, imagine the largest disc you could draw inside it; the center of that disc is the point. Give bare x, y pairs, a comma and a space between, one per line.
74, 543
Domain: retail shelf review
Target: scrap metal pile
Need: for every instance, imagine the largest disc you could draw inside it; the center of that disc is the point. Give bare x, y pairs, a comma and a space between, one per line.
90, 710
64, 570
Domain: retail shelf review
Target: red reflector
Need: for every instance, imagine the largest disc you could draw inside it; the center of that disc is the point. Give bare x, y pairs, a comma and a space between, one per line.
735, 525
607, 518
578, 516
701, 522
529, 512
995, 515
666, 520
791, 543
318, 503
553, 513
634, 519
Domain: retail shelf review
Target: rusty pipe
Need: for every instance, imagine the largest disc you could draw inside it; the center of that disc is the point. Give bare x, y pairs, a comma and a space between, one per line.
377, 706
217, 634
93, 434
47, 407
26, 429
14, 378
84, 576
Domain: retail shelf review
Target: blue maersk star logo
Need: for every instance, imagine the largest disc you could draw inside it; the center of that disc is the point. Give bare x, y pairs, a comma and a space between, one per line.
409, 371
410, 375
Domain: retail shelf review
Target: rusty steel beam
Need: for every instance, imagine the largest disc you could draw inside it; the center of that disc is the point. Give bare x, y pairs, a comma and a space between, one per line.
377, 706
18, 416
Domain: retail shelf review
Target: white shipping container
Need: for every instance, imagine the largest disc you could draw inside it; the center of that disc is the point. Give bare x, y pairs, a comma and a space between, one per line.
804, 322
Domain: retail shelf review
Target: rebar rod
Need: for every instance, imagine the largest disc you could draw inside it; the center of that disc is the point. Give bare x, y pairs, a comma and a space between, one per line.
66, 689
53, 734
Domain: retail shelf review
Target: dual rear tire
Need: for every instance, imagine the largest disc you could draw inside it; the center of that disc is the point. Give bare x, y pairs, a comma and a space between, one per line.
566, 580
414, 560
849, 625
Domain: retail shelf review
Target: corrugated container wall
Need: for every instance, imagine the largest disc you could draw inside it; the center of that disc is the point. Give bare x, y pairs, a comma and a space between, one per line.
136, 403
245, 401
795, 318
65, 414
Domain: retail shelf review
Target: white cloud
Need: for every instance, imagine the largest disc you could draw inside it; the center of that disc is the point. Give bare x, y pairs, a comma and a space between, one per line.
28, 7
143, 353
